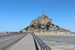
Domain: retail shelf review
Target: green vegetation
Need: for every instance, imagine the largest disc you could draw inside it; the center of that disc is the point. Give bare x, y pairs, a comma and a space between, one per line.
49, 23
36, 26
26, 29
52, 24
32, 25
39, 25
43, 28
57, 26
47, 26
20, 31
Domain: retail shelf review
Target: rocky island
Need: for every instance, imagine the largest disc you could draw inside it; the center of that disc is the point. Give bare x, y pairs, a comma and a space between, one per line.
45, 25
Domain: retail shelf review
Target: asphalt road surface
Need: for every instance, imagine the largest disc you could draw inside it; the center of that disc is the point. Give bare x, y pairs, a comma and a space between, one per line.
7, 41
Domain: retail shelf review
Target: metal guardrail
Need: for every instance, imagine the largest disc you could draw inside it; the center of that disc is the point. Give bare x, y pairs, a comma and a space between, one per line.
40, 44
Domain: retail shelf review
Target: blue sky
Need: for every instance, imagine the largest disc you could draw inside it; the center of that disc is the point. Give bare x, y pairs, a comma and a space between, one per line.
17, 14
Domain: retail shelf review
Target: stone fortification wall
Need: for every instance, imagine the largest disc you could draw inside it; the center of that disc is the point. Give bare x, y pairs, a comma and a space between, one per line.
42, 20
53, 32
47, 32
44, 25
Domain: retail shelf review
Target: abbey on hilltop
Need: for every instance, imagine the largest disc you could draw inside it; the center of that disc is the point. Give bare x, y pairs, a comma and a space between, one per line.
41, 20
45, 25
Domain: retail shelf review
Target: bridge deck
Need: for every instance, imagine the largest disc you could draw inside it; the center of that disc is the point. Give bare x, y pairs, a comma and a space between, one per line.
26, 44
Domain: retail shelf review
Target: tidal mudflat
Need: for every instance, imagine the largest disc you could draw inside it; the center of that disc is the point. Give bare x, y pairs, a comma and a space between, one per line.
59, 41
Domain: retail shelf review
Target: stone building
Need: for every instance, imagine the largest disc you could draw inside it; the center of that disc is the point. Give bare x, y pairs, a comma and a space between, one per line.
46, 26
42, 20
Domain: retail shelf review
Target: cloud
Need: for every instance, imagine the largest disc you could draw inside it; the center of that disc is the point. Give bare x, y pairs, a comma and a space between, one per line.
10, 30
58, 19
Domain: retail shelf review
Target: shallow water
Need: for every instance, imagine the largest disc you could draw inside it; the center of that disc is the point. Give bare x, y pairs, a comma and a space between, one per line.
59, 39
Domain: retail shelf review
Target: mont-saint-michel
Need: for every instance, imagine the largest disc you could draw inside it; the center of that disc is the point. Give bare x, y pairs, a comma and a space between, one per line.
45, 25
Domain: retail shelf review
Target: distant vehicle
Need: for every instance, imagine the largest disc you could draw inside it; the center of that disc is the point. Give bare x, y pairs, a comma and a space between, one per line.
8, 33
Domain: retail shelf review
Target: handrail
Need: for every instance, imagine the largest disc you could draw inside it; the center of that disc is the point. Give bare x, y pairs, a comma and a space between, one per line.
41, 45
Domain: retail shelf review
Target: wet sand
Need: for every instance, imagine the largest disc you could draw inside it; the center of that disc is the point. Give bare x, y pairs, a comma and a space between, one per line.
66, 38
67, 41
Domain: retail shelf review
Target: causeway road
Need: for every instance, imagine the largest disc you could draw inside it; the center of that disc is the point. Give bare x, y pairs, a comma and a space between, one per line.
7, 41
24, 41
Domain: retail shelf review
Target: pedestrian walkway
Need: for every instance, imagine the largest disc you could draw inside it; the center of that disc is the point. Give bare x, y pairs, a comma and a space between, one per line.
26, 44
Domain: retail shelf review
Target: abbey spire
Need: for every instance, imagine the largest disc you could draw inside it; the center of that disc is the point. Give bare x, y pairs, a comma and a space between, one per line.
43, 13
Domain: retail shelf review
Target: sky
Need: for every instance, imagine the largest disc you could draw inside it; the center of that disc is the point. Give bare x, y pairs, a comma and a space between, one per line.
18, 14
